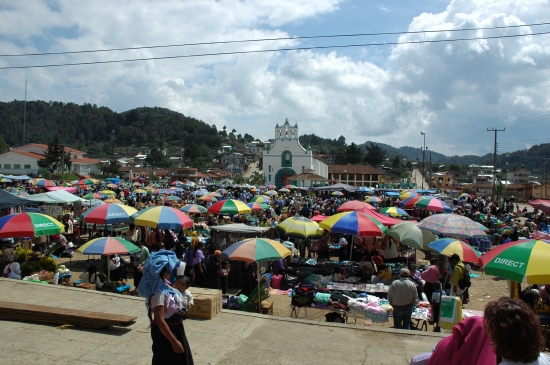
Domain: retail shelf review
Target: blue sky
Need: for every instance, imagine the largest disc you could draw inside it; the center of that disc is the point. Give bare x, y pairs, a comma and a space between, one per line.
451, 91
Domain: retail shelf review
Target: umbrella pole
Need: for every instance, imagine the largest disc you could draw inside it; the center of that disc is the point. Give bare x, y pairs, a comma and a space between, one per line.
108, 268
259, 293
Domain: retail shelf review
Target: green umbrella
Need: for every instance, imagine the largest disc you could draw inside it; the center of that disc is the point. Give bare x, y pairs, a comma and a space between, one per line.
409, 234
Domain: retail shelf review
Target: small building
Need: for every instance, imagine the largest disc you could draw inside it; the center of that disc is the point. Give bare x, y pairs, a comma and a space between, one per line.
521, 176
308, 179
355, 175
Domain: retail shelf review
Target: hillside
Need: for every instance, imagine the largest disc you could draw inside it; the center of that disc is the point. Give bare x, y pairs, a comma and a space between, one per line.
91, 128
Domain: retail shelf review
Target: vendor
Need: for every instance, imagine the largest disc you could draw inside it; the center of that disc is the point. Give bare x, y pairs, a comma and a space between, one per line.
115, 269
390, 249
384, 275
279, 267
90, 276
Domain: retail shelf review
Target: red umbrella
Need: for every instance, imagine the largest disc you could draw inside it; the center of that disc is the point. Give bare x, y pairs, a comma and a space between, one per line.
319, 218
540, 204
352, 205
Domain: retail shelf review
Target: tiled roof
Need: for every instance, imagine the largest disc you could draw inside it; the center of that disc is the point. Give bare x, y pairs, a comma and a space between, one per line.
353, 169
307, 176
29, 154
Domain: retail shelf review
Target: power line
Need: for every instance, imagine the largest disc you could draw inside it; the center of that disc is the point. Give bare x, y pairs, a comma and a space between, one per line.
271, 50
275, 39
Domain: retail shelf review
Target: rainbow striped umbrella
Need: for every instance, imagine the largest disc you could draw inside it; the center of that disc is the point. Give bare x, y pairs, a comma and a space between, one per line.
394, 212
269, 187
373, 199
107, 192
108, 246
109, 214
450, 246
208, 198
261, 199
93, 196
284, 190
354, 223
521, 261
452, 225
409, 202
434, 205
271, 193
257, 207
230, 206
404, 194
29, 225
163, 218
4, 180
215, 194
334, 193
300, 227
87, 182
111, 186
256, 249
193, 208
139, 191
173, 198
291, 187
45, 184
221, 191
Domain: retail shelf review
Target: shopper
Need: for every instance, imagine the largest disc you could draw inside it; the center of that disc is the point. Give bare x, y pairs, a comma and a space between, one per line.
402, 296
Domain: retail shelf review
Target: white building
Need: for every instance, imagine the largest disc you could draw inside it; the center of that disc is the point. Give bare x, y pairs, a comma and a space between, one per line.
287, 157
24, 160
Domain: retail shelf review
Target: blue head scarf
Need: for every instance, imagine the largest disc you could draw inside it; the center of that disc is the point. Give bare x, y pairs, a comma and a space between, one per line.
151, 281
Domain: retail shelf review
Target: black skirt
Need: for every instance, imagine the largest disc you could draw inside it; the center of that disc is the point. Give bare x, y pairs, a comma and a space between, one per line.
162, 348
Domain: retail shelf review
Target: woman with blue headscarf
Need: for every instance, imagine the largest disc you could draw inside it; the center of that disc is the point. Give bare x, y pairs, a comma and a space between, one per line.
166, 303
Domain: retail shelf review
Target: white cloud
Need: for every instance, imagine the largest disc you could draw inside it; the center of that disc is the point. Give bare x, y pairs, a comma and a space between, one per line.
448, 90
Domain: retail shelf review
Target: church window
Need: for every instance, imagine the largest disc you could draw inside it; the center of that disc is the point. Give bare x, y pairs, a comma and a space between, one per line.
286, 159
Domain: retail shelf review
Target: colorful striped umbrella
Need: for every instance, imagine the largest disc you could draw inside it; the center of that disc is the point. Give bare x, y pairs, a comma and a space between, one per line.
230, 206
208, 198
450, 246
261, 199
109, 214
524, 261
271, 193
222, 191
270, 187
111, 186
29, 225
257, 207
291, 187
140, 191
284, 190
373, 199
354, 223
404, 194
300, 227
163, 218
86, 182
93, 196
173, 198
394, 212
108, 246
335, 193
409, 202
45, 184
107, 192
112, 200
452, 225
4, 180
319, 218
434, 205
215, 194
193, 208
34, 181
256, 249
464, 195
352, 205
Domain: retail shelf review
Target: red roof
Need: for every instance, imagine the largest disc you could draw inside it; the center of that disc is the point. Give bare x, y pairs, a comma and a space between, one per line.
29, 154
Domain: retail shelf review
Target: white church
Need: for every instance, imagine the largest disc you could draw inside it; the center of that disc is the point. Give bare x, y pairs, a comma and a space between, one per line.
287, 158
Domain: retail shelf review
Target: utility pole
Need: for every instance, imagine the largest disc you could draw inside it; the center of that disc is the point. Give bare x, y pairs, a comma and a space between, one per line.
25, 112
423, 157
544, 179
494, 190
62, 165
430, 172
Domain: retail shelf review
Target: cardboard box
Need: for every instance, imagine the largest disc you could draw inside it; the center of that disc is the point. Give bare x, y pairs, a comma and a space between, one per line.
208, 303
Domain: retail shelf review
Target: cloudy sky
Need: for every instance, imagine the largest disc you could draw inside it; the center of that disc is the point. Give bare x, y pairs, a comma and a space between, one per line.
451, 90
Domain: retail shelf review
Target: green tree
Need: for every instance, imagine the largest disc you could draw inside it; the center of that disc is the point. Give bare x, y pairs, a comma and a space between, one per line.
353, 154
157, 159
375, 155
55, 156
397, 162
3, 145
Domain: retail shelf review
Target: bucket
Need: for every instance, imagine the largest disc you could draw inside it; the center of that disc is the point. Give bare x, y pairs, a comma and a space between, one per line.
181, 269
276, 281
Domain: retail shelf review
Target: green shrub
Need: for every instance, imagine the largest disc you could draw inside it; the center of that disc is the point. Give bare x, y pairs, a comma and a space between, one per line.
30, 267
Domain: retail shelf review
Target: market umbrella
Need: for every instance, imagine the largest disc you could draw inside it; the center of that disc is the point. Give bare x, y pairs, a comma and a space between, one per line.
300, 227
229, 206
107, 192
284, 190
93, 196
138, 184
29, 225
351, 205
163, 218
4, 180
404, 194
354, 223
173, 198
174, 183
335, 193
221, 191
450, 246
409, 234
109, 214
373, 199
86, 182
261, 199
464, 195
200, 192
394, 212
113, 200
524, 261
319, 218
140, 191
270, 187
452, 225
45, 184
208, 198
215, 194
34, 180
257, 207
108, 246
541, 204
193, 208
259, 250
409, 202
434, 205
271, 193
111, 186
291, 187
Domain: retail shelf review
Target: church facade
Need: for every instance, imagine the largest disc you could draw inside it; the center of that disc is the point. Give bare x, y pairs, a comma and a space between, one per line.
286, 157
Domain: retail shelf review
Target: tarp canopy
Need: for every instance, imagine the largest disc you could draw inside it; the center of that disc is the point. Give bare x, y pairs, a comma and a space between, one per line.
56, 197
8, 200
337, 187
21, 178
239, 227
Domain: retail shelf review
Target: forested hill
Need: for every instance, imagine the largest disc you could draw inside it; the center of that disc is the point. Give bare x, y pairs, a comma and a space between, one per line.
90, 128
